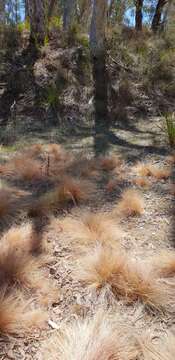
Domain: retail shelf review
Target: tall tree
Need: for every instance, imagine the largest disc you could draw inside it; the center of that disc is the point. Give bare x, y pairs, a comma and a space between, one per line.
98, 55
38, 21
138, 15
2, 11
158, 15
69, 13
51, 7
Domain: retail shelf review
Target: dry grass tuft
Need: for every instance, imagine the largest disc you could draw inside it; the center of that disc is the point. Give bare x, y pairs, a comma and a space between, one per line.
171, 159
131, 204
24, 168
172, 189
15, 318
90, 229
99, 338
164, 263
34, 150
111, 162
143, 169
141, 182
126, 278
17, 267
160, 174
70, 190
111, 185
6, 202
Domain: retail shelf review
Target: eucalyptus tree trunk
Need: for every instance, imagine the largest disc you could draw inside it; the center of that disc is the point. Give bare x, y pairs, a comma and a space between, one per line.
157, 16
169, 9
2, 12
138, 15
51, 7
69, 14
38, 21
98, 56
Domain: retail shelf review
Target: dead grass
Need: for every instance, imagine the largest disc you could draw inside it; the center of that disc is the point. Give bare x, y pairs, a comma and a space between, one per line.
89, 229
99, 338
148, 169
131, 204
164, 263
111, 162
15, 316
141, 182
70, 190
128, 279
7, 204
23, 168
111, 185
17, 267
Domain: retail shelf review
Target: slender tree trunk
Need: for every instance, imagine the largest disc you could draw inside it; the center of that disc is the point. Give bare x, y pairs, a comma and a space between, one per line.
2, 12
69, 13
138, 15
98, 55
157, 16
37, 16
51, 8
26, 9
166, 14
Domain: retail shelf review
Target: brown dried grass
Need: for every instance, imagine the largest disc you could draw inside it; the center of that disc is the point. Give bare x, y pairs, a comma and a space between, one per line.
111, 162
127, 278
90, 228
15, 316
102, 337
131, 204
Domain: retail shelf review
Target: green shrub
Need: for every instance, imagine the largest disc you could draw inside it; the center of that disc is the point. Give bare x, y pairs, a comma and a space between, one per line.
170, 128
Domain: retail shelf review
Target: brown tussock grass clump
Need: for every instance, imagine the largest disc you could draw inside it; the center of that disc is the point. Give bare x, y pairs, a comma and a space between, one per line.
34, 150
15, 318
142, 169
171, 159
111, 185
17, 267
141, 182
111, 162
126, 278
70, 190
160, 174
164, 263
57, 152
7, 204
99, 338
89, 229
23, 168
19, 238
131, 204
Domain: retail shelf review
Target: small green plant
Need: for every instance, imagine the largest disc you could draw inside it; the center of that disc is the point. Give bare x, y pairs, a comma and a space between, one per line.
25, 25
55, 22
170, 128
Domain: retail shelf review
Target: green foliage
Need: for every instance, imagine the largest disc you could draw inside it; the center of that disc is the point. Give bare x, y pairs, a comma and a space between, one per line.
25, 25
51, 97
170, 128
55, 23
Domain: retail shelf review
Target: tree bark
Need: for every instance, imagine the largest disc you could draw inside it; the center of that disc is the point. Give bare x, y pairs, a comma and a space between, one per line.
51, 8
2, 12
157, 16
138, 15
98, 56
69, 14
37, 16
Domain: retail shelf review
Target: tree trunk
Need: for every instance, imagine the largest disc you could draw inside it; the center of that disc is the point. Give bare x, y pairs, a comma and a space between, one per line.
2, 12
69, 14
157, 16
51, 8
138, 15
37, 16
167, 14
98, 55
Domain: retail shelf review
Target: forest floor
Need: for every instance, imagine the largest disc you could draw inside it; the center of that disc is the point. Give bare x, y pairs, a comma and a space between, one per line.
143, 236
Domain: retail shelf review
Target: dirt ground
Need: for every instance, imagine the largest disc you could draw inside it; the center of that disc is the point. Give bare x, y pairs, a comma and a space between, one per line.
143, 236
